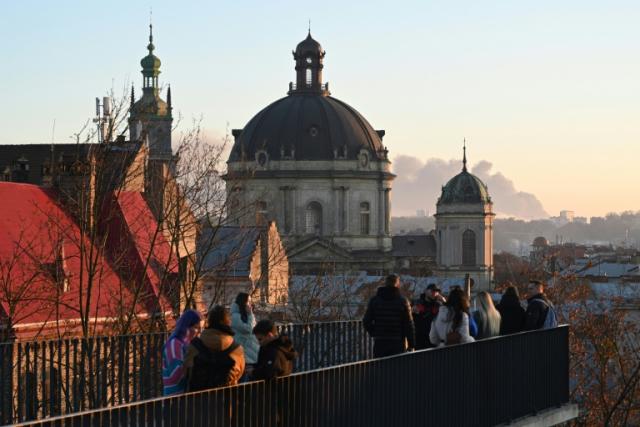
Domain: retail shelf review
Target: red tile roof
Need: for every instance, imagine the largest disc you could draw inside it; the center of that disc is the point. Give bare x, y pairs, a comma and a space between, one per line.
38, 239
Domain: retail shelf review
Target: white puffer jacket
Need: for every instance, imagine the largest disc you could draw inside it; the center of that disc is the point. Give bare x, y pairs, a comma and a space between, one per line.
444, 324
244, 334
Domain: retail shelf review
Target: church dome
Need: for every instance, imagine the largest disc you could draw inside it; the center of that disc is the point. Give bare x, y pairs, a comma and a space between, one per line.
308, 124
464, 188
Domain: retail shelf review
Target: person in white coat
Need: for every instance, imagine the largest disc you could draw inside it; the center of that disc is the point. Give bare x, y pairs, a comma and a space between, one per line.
242, 323
451, 326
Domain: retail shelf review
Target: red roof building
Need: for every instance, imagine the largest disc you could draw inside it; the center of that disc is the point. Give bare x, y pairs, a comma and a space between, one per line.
56, 279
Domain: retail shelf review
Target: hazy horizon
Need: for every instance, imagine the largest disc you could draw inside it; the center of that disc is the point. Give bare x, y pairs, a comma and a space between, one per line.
545, 93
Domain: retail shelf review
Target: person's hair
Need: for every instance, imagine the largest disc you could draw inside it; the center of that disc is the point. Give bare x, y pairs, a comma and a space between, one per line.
218, 315
188, 319
510, 296
489, 312
241, 300
536, 283
458, 303
391, 280
264, 326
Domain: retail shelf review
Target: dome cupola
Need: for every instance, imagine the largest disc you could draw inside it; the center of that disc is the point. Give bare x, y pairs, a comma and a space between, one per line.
309, 56
308, 124
464, 188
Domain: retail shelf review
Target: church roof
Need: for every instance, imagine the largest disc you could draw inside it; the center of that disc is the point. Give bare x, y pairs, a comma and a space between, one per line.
308, 126
464, 188
414, 245
228, 250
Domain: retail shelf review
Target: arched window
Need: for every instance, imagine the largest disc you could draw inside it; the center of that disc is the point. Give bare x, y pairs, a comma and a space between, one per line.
309, 77
468, 248
364, 218
313, 218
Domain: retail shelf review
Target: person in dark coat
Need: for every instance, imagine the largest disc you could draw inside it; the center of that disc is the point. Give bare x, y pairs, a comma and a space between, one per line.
276, 355
537, 306
388, 320
424, 312
419, 312
511, 312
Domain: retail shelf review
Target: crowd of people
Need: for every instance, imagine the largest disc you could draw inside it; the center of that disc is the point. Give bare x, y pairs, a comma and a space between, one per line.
235, 348
232, 348
432, 320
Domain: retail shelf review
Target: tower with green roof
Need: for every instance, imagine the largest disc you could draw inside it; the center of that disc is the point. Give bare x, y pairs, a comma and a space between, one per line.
150, 116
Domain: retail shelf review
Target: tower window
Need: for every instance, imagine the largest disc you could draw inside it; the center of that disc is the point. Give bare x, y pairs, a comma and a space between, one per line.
468, 248
309, 77
313, 218
364, 218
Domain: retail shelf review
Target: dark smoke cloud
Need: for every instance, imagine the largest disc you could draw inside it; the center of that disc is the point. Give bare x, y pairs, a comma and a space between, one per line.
418, 186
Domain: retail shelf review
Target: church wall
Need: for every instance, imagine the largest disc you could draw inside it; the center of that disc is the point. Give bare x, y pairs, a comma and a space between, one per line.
340, 200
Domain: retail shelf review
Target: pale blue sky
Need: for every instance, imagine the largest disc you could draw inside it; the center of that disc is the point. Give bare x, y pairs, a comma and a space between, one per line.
548, 91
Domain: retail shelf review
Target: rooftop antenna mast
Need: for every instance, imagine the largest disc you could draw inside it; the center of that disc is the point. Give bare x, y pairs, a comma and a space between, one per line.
103, 119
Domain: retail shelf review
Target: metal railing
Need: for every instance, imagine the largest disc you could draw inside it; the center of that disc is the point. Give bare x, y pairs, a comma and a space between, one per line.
485, 383
48, 378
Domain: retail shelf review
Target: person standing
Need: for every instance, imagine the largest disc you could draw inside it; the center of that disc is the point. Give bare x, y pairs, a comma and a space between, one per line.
388, 320
540, 312
511, 312
451, 326
242, 322
214, 359
430, 307
276, 355
487, 317
188, 327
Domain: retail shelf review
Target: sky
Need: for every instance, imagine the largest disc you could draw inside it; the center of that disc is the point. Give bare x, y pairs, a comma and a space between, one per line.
546, 92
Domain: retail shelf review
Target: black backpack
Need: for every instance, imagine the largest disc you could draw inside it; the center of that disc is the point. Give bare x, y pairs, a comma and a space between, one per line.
210, 369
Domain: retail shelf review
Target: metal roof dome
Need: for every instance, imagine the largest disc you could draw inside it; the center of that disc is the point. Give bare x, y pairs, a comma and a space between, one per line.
464, 188
308, 124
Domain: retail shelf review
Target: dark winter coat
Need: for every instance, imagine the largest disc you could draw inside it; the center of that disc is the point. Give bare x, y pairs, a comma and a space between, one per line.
388, 317
512, 315
537, 309
275, 359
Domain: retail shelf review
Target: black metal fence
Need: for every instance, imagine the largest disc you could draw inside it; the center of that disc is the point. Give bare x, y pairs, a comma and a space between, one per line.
485, 383
48, 378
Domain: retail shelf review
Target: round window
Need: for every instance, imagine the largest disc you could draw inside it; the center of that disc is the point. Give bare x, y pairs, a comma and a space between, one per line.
313, 131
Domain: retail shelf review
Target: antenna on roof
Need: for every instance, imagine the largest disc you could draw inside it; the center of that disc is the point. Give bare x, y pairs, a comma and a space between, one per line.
309, 26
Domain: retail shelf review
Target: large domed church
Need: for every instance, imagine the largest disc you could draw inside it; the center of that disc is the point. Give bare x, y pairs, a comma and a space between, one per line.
318, 168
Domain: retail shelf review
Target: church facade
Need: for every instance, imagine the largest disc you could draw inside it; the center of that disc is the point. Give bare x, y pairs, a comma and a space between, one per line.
318, 168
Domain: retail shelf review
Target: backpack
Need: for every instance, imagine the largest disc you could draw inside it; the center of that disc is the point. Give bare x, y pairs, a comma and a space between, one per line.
210, 369
551, 320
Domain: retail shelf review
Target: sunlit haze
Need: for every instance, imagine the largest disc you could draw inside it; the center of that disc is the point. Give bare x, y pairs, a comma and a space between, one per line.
547, 92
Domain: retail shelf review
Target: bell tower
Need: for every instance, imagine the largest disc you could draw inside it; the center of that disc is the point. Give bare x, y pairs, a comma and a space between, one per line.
150, 117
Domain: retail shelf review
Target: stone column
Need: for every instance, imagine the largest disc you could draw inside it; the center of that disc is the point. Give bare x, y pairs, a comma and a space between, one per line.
387, 211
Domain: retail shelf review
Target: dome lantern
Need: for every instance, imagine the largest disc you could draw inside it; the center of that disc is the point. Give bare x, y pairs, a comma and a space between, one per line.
309, 56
